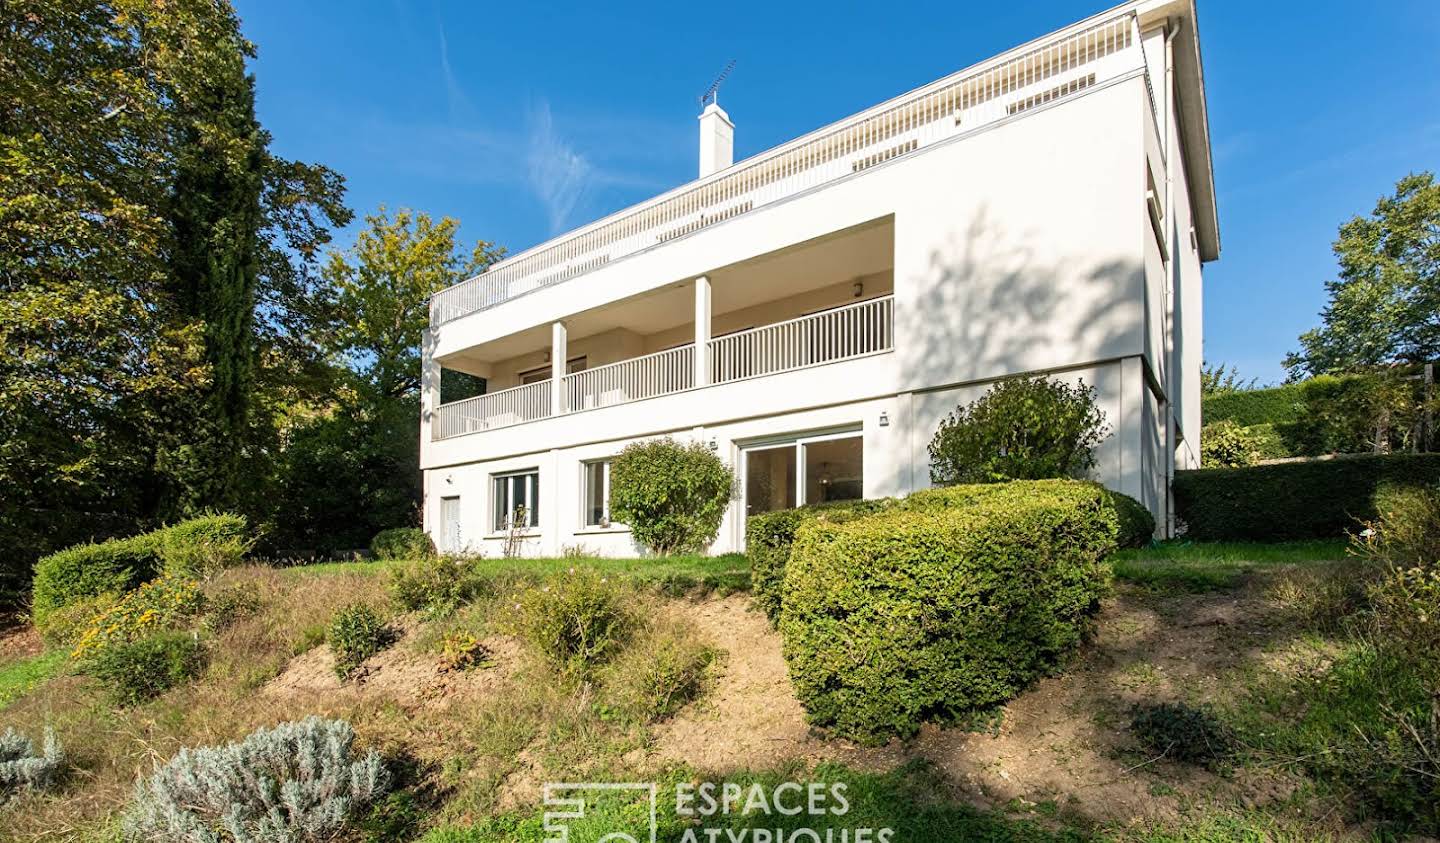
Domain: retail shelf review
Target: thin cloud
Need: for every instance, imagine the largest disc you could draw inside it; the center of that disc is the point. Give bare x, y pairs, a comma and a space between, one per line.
560, 176
454, 92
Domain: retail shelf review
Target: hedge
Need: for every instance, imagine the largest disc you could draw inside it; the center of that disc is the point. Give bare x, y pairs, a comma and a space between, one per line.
118, 565
930, 612
1313, 499
1245, 407
769, 536
402, 543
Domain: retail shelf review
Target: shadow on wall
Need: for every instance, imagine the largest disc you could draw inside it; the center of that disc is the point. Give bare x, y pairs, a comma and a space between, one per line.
991, 303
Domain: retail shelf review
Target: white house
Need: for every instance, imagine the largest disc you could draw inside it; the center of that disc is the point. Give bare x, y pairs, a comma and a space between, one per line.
812, 313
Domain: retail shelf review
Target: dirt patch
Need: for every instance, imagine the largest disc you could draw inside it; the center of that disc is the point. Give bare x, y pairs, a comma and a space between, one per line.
1065, 741
400, 673
20, 642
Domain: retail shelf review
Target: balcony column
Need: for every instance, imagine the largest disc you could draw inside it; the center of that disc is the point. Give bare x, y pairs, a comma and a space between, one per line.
702, 331
557, 368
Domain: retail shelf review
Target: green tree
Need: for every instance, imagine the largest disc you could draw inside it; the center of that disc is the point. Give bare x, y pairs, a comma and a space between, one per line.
1021, 429
1215, 379
1385, 305
671, 496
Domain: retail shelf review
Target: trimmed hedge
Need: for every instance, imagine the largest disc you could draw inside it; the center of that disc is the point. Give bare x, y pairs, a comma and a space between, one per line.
932, 611
402, 543
114, 567
1246, 407
770, 536
1314, 499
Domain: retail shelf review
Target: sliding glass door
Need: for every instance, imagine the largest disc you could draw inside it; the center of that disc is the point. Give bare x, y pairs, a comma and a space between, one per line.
805, 470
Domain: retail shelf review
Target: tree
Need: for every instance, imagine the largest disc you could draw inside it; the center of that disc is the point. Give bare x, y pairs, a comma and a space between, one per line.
671, 496
1217, 379
1025, 428
1385, 305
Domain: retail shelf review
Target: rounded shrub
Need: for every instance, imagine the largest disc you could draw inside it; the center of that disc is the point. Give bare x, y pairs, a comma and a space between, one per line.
89, 570
672, 496
140, 670
24, 769
574, 620
1021, 429
926, 614
1225, 444
205, 545
402, 543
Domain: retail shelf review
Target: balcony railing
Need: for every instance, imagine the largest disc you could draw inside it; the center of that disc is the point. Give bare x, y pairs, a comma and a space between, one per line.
496, 409
631, 380
851, 331
1002, 88
844, 333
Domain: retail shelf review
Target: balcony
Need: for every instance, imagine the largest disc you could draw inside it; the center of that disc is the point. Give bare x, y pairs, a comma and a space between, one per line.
831, 336
1007, 86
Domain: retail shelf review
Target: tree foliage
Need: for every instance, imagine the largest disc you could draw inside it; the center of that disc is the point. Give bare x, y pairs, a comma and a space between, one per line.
1217, 379
1385, 305
1025, 428
671, 495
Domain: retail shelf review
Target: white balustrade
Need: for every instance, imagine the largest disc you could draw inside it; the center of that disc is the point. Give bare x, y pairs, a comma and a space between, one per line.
839, 334
1001, 88
661, 373
492, 410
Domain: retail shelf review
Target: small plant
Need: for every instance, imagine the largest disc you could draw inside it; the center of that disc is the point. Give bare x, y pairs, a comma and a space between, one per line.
436, 584
672, 496
574, 620
402, 543
664, 669
1225, 444
136, 671
460, 650
1182, 732
160, 604
356, 633
21, 769
1021, 429
296, 782
231, 604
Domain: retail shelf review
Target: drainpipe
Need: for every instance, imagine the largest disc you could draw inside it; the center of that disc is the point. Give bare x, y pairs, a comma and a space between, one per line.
1170, 368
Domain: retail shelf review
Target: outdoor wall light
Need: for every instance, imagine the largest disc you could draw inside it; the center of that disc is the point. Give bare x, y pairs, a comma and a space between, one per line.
714, 446
884, 419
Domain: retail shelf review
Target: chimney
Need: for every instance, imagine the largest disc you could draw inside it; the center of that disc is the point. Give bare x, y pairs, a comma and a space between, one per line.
717, 140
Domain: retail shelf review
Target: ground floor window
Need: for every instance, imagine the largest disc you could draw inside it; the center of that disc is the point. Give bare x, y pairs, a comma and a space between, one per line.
597, 493
517, 500
806, 470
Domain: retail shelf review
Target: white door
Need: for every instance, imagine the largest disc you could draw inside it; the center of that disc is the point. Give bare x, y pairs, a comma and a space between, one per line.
450, 524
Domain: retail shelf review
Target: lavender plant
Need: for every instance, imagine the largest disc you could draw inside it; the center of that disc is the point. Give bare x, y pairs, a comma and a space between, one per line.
21, 769
295, 783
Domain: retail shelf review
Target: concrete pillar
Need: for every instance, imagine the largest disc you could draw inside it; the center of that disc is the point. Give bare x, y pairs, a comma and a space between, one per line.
702, 331
557, 368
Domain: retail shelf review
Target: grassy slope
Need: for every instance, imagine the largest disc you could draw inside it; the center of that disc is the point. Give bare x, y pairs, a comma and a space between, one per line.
1215, 566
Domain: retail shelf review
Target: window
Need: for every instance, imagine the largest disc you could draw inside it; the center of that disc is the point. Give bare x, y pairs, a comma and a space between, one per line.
517, 500
813, 469
542, 373
597, 494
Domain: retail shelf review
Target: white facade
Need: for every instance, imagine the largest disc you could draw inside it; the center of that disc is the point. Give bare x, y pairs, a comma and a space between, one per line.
813, 312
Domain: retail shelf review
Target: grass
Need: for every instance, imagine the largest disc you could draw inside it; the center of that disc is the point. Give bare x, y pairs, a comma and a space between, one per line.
674, 574
1215, 566
19, 677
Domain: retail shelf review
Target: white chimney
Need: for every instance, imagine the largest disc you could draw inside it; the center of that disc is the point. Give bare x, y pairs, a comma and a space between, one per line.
717, 140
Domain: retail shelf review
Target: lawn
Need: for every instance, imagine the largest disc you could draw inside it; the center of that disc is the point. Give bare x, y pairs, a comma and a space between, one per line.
1216, 566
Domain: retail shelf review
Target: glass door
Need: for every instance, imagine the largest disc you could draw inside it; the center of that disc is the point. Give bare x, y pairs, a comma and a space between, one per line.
805, 470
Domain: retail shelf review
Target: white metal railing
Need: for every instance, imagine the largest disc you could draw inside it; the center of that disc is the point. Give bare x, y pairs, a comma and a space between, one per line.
496, 409
1003, 87
661, 373
840, 334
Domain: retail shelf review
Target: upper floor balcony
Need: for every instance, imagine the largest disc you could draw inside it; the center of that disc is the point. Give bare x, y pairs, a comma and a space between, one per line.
1084, 56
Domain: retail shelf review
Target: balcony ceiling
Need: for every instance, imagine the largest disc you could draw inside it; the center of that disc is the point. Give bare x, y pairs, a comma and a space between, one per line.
844, 255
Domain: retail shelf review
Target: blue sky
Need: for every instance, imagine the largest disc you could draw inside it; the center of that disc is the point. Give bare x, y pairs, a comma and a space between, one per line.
522, 120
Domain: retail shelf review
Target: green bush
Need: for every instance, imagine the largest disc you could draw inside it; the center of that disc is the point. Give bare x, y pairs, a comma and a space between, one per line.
1225, 444
927, 614
164, 603
1274, 405
437, 584
356, 633
1266, 441
227, 606
1406, 527
90, 570
664, 668
671, 496
136, 671
199, 547
402, 543
1314, 499
1021, 429
574, 620
1182, 732
1371, 412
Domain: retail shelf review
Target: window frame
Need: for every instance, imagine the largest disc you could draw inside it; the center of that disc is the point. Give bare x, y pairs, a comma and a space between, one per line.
605, 522
504, 480
798, 442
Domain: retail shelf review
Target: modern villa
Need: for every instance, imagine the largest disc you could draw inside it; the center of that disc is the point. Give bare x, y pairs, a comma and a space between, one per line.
811, 313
